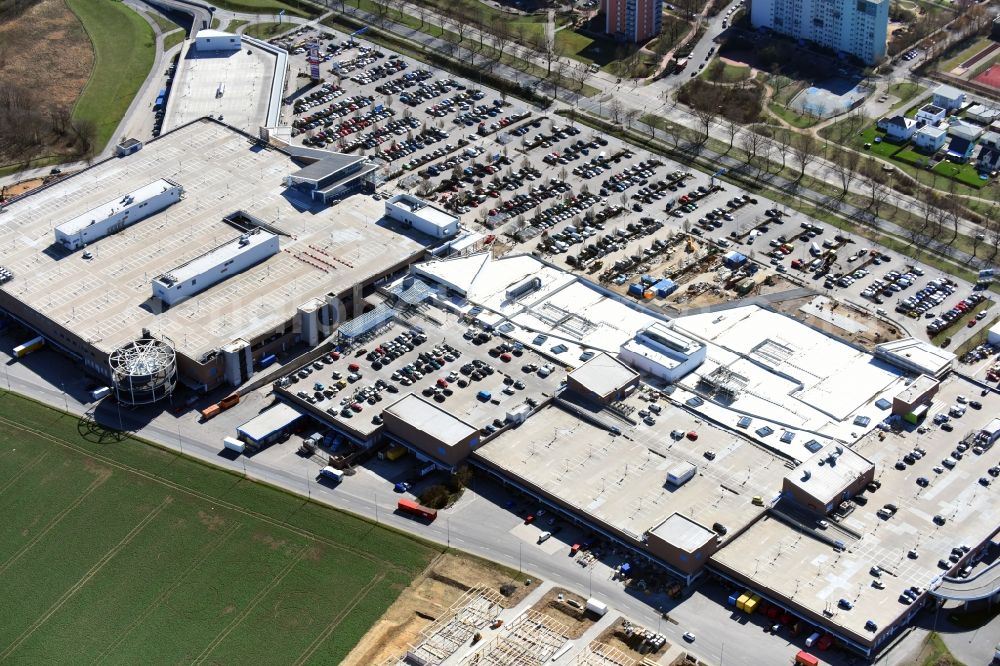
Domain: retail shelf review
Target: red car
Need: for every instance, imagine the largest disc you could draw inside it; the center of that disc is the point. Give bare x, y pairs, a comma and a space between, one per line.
443, 383
529, 519
505, 357
972, 322
692, 435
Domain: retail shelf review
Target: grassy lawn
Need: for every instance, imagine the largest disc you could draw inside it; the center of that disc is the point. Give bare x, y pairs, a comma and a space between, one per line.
913, 157
172, 39
905, 91
961, 322
268, 7
123, 55
719, 71
165, 24
964, 55
532, 27
936, 653
791, 117
115, 550
267, 30
963, 173
233, 26
883, 148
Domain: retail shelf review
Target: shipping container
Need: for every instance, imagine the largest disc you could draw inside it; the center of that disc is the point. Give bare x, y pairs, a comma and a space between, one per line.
210, 412
99, 393
742, 600
234, 444
597, 607
803, 658
733, 597
31, 345
268, 360
751, 605
414, 509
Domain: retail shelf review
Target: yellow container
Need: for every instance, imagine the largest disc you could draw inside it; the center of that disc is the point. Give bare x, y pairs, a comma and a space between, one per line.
741, 602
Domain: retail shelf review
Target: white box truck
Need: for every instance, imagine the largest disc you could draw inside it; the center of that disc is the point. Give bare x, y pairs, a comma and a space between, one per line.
234, 444
597, 607
332, 474
812, 639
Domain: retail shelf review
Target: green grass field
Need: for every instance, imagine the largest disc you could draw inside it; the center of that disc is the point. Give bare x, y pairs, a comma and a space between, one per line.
172, 39
267, 30
268, 7
124, 49
115, 551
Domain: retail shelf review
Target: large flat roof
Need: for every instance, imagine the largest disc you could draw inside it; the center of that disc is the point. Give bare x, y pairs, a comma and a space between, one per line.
829, 471
217, 255
243, 75
428, 417
621, 481
918, 352
683, 533
104, 299
794, 565
270, 420
791, 374
603, 374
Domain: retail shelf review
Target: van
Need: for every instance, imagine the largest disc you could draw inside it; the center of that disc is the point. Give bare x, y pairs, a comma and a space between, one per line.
332, 474
544, 536
812, 639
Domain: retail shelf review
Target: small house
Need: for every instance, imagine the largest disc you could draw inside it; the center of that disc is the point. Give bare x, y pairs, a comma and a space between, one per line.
984, 114
989, 153
949, 98
930, 138
963, 141
898, 128
929, 114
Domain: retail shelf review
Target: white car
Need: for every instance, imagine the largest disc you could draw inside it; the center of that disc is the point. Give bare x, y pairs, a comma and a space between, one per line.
688, 636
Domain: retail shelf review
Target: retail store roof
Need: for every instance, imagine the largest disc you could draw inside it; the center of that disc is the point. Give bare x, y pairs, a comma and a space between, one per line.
430, 418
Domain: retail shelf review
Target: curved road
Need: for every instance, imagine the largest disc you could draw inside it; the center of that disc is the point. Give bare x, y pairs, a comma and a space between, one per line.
984, 584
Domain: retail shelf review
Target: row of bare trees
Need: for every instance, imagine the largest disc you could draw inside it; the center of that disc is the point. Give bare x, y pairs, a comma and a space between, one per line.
30, 127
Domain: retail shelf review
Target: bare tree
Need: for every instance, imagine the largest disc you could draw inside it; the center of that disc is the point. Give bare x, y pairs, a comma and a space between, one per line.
804, 150
783, 144
704, 122
732, 128
616, 107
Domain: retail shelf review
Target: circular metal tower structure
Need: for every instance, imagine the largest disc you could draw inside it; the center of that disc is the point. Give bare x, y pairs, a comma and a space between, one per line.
143, 371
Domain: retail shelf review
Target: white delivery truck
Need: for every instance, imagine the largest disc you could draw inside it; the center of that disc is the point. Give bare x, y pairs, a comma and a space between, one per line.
597, 607
234, 444
332, 474
812, 639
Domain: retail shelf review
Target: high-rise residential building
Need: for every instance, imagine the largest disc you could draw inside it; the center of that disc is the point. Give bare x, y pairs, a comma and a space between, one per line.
857, 27
633, 20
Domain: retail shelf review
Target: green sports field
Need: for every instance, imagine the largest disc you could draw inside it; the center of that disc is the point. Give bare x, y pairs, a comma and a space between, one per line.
114, 551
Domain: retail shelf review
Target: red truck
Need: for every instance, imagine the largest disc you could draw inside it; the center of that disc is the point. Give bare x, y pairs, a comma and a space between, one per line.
418, 510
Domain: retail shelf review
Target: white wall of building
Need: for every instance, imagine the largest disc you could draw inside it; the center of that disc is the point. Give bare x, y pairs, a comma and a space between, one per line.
422, 216
214, 267
858, 27
214, 40
73, 236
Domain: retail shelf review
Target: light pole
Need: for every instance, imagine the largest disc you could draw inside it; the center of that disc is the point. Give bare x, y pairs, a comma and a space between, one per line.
375, 499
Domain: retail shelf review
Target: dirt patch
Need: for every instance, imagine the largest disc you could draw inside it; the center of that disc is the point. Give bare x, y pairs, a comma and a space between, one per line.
425, 600
566, 608
876, 331
705, 290
22, 187
51, 71
633, 640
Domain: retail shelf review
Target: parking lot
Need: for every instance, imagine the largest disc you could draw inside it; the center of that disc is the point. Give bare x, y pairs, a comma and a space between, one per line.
600, 207
478, 377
